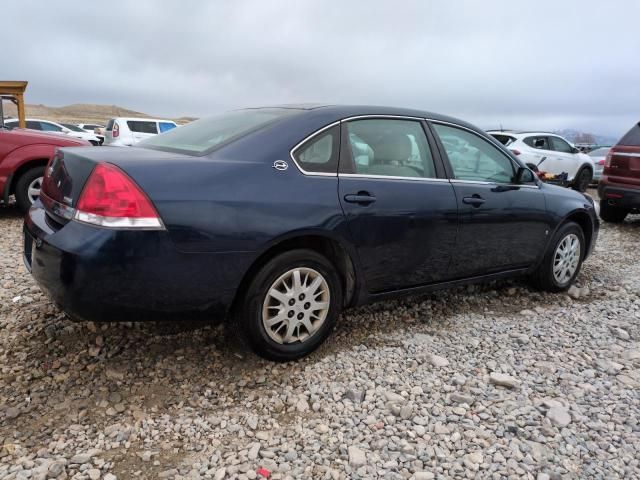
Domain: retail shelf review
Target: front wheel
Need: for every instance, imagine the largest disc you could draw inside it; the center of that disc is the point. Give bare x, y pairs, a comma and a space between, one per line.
563, 260
28, 186
290, 306
583, 179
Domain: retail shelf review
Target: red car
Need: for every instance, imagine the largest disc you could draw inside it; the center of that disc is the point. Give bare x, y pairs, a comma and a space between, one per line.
619, 188
23, 157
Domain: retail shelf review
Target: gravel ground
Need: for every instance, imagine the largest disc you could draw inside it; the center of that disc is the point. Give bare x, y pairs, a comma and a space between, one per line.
481, 382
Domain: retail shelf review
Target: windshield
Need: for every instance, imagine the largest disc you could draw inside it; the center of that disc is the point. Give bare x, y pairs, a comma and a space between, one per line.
72, 127
205, 135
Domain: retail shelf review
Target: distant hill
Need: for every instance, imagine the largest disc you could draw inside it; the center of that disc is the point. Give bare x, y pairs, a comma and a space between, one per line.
576, 136
81, 113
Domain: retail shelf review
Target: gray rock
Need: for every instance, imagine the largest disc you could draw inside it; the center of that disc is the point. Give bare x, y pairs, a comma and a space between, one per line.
438, 361
356, 396
503, 380
559, 416
357, 458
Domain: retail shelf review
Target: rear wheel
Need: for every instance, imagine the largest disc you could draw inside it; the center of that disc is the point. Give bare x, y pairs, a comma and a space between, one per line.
28, 186
290, 306
612, 214
563, 260
583, 179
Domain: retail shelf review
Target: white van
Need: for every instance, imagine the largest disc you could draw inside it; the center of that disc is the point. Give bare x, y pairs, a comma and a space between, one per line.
129, 131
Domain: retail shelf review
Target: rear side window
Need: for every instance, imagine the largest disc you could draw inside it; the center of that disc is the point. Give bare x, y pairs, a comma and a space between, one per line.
538, 142
33, 125
140, 126
390, 148
110, 124
632, 137
49, 127
320, 153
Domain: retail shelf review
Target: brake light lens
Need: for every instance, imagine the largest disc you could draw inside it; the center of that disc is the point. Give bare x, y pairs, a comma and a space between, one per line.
116, 130
601, 162
111, 199
607, 161
515, 152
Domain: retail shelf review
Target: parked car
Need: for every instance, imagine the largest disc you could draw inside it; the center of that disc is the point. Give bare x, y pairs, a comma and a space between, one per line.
278, 218
550, 153
598, 156
129, 131
53, 127
619, 187
94, 128
23, 156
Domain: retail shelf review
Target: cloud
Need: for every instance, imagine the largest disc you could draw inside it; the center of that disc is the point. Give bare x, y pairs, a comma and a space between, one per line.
534, 64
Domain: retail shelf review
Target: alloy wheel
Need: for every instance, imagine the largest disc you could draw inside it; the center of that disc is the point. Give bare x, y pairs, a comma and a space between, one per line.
33, 190
566, 258
296, 305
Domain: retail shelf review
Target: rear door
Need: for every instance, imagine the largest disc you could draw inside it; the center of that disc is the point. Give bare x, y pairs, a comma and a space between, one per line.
502, 225
141, 129
400, 208
623, 162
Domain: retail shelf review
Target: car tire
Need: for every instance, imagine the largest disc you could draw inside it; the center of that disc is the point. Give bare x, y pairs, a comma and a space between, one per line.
612, 214
290, 312
583, 179
25, 181
561, 263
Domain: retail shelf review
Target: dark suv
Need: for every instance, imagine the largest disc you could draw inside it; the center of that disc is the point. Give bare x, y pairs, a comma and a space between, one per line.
619, 188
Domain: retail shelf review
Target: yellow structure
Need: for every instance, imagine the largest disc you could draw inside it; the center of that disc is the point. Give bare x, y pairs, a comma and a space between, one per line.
14, 92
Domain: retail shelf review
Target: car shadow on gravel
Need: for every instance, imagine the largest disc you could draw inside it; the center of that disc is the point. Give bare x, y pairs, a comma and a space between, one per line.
9, 211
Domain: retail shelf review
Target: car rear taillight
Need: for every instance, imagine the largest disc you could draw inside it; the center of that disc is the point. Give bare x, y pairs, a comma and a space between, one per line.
116, 130
111, 199
515, 152
601, 162
607, 161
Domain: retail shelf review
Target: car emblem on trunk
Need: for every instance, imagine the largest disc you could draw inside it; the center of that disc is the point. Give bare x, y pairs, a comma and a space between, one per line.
280, 165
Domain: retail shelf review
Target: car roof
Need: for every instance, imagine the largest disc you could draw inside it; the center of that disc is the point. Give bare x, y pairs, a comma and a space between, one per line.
138, 119
345, 111
519, 133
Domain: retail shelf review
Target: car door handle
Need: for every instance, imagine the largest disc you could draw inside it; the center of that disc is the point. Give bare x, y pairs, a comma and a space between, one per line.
475, 200
363, 198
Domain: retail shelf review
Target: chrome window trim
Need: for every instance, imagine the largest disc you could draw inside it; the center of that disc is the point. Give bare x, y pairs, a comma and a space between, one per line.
374, 116
392, 177
307, 138
625, 154
478, 182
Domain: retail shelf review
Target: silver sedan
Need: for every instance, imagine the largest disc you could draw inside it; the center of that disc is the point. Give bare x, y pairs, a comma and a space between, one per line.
598, 156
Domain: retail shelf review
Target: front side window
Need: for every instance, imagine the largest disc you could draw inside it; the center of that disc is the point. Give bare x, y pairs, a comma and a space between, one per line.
559, 145
49, 127
139, 126
472, 158
391, 148
166, 126
320, 153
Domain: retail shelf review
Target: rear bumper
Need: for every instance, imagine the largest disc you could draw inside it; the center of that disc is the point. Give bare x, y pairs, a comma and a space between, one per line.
619, 195
101, 274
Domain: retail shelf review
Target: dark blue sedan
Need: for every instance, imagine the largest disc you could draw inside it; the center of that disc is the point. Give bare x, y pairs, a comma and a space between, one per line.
278, 218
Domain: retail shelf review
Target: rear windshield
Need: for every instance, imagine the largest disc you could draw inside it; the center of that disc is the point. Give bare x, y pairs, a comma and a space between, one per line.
632, 137
503, 139
205, 135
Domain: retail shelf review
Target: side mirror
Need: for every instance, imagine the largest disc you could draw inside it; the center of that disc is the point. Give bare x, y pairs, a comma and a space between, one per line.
524, 175
575, 150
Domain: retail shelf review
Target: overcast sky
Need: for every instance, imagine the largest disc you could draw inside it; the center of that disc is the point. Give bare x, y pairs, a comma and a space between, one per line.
523, 64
